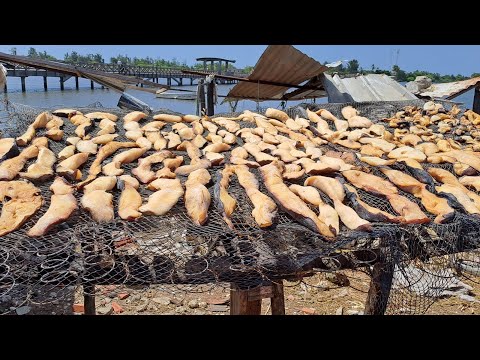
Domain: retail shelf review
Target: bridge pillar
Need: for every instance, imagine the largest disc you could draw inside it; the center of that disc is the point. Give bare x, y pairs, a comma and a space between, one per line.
76, 82
91, 84
5, 87
45, 83
169, 81
103, 87
62, 81
191, 81
181, 81
22, 79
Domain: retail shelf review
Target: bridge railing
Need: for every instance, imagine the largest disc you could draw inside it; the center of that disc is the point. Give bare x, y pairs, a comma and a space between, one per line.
139, 70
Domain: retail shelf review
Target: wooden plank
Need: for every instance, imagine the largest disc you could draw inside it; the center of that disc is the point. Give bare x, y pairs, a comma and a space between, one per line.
239, 304
278, 299
379, 291
261, 292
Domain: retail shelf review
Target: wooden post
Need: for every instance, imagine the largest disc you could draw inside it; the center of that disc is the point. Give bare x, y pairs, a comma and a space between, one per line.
210, 105
201, 94
476, 100
62, 87
278, 299
45, 83
22, 79
379, 290
76, 82
239, 304
91, 84
89, 299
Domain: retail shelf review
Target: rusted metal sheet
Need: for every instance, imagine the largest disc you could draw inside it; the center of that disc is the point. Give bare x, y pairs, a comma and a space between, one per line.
371, 87
279, 63
450, 90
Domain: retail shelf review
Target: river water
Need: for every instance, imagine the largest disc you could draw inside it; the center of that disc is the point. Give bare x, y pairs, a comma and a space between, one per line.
36, 96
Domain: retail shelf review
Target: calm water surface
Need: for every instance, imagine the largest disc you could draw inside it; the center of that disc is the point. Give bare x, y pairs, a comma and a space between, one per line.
36, 96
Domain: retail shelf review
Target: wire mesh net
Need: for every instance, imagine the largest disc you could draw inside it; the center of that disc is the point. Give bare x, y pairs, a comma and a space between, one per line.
172, 253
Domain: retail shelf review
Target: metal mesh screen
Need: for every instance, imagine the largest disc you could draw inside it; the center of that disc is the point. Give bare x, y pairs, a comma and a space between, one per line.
171, 251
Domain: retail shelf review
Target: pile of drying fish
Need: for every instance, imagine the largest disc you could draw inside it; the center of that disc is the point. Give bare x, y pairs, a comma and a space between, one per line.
294, 165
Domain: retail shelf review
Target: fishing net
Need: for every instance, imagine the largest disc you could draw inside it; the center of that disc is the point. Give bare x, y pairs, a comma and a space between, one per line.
172, 254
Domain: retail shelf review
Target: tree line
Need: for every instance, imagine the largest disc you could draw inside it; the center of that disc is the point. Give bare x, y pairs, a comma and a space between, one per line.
351, 67
76, 58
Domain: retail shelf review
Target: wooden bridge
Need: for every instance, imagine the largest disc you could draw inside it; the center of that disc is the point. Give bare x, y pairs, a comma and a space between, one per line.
154, 73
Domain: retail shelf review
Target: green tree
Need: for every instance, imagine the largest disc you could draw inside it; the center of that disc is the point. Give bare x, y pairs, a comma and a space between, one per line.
98, 58
13, 51
32, 52
352, 66
248, 69
400, 75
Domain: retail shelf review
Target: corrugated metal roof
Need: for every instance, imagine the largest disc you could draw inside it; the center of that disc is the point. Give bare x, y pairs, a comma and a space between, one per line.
278, 63
371, 87
450, 90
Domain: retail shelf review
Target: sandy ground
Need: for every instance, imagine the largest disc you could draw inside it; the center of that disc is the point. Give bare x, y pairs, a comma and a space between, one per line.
317, 295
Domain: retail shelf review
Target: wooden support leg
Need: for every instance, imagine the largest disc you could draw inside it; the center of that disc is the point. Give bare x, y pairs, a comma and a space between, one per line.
379, 290
278, 299
91, 84
240, 305
89, 299
62, 81
45, 83
76, 82
22, 79
210, 105
202, 97
249, 302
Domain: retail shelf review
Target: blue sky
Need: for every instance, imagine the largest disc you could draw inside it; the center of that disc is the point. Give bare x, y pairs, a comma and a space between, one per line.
444, 59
